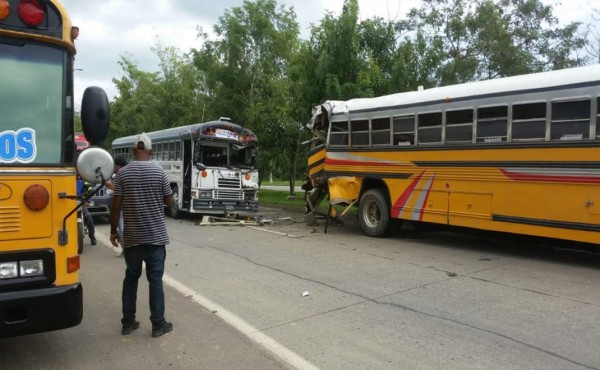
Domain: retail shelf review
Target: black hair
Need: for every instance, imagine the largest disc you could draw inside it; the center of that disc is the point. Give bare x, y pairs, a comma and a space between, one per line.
120, 161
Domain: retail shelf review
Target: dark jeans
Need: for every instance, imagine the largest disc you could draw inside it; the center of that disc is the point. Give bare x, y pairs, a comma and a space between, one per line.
154, 257
89, 223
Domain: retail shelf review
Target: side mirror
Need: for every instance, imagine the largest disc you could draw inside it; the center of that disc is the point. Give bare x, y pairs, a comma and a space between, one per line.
200, 166
95, 165
95, 115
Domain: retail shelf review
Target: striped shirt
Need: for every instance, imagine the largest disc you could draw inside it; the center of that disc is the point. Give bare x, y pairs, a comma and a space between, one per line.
143, 186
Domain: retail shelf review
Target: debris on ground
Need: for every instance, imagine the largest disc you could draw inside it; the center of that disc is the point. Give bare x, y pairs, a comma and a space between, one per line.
240, 221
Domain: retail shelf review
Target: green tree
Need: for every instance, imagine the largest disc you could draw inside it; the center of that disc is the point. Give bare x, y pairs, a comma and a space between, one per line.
489, 39
245, 68
133, 110
148, 101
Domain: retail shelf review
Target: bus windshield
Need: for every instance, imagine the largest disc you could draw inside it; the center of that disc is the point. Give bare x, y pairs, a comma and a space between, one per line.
215, 155
31, 103
242, 156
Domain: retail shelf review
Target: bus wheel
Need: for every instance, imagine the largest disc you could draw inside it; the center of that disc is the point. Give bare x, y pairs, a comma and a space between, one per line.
374, 213
174, 210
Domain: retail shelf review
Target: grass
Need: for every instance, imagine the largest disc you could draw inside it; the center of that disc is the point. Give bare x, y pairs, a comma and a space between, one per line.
281, 182
280, 198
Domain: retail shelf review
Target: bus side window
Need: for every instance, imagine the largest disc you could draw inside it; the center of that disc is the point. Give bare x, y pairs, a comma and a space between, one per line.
404, 130
459, 126
156, 152
598, 118
178, 154
492, 124
570, 120
429, 128
339, 134
380, 131
529, 121
360, 133
172, 151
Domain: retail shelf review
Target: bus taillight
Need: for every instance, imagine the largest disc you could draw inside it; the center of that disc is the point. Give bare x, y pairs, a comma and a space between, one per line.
31, 12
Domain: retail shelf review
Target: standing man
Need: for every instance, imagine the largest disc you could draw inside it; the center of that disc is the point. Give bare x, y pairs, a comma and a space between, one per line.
141, 190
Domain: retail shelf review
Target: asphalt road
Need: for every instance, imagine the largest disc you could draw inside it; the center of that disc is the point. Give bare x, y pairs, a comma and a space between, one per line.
281, 294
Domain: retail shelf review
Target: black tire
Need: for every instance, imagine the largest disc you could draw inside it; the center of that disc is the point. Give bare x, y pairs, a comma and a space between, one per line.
174, 210
374, 214
80, 234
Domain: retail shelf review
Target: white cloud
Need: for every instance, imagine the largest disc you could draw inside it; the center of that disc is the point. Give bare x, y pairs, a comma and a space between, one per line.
113, 28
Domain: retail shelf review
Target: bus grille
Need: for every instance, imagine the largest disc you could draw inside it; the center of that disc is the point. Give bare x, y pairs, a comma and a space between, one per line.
232, 183
229, 194
10, 219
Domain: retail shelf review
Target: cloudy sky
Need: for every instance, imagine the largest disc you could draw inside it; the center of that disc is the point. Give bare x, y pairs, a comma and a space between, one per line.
111, 28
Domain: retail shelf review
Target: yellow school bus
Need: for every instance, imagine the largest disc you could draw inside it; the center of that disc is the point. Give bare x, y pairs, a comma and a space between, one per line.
518, 155
40, 289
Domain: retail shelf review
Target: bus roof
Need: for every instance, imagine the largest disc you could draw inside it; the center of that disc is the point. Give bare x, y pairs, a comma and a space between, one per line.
535, 82
194, 130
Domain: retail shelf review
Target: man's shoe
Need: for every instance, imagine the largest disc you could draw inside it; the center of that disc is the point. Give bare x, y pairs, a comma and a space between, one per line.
129, 328
157, 331
93, 241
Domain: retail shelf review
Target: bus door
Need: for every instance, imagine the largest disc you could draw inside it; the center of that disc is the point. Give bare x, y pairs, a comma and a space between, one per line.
187, 174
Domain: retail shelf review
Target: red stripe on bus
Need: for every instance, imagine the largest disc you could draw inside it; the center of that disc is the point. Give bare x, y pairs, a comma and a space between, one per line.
401, 202
550, 178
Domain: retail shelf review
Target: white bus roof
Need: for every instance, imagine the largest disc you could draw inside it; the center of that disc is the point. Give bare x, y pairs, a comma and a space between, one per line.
514, 84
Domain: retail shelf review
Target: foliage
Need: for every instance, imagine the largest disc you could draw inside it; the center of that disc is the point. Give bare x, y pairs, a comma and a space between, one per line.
152, 101
245, 69
490, 39
258, 72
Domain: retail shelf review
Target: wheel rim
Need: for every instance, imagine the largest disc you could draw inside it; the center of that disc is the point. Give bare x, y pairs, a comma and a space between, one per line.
372, 214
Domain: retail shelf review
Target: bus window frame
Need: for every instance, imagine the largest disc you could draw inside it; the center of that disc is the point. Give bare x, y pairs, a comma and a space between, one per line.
381, 130
360, 131
332, 133
439, 126
528, 121
411, 142
478, 120
462, 124
574, 99
595, 127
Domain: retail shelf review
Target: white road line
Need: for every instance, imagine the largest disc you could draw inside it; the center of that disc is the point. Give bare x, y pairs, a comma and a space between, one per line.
248, 330
286, 355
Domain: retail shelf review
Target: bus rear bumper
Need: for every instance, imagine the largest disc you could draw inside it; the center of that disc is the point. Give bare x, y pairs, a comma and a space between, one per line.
40, 310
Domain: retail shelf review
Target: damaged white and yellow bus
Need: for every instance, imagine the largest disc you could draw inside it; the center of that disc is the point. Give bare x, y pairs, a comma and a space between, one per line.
517, 155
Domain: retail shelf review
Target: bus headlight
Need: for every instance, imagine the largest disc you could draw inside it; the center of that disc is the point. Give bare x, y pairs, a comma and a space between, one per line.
31, 268
14, 269
205, 194
8, 270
